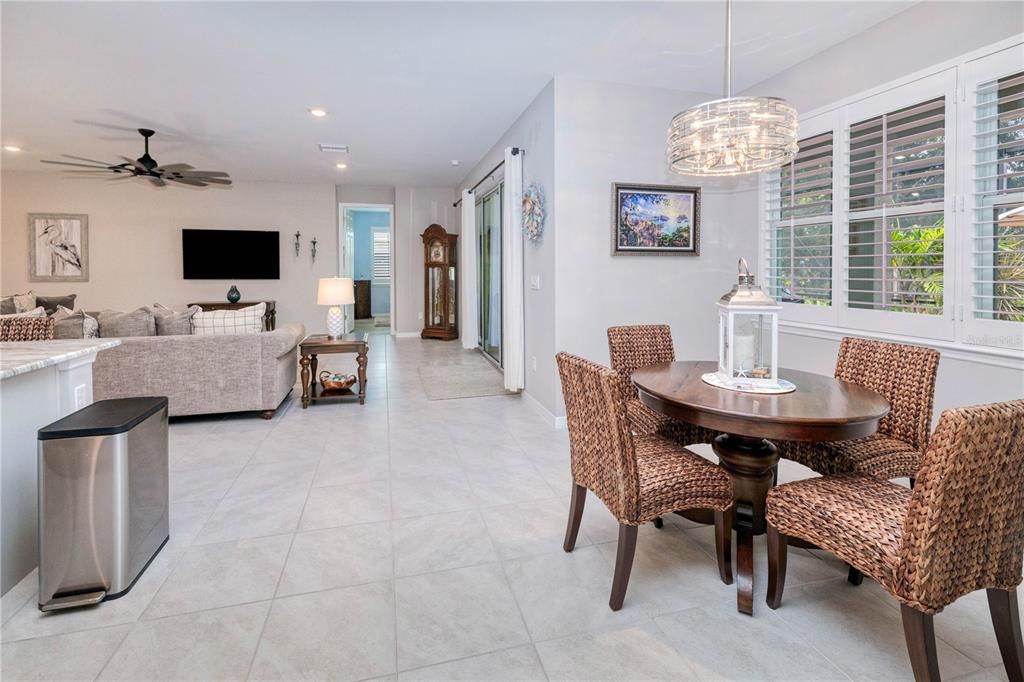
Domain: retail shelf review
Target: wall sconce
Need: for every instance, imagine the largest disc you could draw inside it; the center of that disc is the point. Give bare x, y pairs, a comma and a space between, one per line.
297, 242
312, 245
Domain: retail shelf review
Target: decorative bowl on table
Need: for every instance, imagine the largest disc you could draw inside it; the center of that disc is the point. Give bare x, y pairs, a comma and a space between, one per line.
336, 382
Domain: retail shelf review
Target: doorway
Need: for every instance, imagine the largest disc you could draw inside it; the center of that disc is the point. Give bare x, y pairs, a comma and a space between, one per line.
488, 218
366, 256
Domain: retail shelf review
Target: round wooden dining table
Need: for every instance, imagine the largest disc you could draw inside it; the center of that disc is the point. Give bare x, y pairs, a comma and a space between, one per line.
820, 409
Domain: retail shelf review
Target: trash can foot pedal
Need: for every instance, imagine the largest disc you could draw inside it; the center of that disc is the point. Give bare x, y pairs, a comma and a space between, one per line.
72, 600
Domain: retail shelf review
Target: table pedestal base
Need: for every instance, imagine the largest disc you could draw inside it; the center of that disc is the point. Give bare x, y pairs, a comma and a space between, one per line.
751, 463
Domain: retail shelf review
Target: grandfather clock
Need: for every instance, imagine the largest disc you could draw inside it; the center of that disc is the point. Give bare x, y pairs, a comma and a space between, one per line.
440, 316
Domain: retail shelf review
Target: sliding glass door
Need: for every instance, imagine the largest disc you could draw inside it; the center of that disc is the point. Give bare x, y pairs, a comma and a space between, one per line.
488, 220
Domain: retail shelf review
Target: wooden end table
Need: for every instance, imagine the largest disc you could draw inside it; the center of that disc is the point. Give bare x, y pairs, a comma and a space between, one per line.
313, 345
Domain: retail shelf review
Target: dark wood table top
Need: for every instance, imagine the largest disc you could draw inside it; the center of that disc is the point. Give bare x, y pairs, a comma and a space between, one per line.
820, 409
321, 343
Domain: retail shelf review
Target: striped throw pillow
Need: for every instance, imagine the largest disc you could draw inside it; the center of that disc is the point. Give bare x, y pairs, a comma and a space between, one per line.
242, 321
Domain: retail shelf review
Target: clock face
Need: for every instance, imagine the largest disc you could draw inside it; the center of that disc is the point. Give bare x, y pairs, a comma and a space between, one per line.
436, 252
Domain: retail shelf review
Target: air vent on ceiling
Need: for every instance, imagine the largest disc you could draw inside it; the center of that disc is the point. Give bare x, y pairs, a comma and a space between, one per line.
337, 148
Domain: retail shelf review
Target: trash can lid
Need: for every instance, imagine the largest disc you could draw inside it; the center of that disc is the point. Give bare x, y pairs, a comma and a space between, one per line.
104, 418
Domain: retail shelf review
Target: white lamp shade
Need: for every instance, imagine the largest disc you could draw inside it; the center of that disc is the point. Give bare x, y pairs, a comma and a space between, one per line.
335, 291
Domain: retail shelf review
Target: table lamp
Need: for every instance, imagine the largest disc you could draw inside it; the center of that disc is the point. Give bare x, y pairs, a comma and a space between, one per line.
335, 292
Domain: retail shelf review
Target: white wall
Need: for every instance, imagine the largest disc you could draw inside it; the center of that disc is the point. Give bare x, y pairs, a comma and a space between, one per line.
135, 239
416, 208
534, 131
607, 133
892, 49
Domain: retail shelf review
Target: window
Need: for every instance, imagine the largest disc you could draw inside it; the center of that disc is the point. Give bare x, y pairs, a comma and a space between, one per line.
895, 239
800, 226
381, 257
997, 268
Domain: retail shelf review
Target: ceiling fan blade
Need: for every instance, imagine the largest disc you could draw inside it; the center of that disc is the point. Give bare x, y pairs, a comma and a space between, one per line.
212, 181
157, 182
79, 165
214, 174
82, 158
135, 164
188, 181
173, 168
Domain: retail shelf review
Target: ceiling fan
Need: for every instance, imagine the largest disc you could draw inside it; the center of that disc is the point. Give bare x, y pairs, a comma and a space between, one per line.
146, 167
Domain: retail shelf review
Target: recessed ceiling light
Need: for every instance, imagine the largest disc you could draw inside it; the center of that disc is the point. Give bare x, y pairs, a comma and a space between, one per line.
319, 113
341, 165
455, 162
12, 148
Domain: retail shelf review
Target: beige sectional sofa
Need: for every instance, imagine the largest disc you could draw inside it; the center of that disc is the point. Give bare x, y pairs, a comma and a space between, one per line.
203, 374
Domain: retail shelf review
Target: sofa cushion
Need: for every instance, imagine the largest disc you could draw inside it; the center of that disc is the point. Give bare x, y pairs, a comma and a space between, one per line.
74, 324
35, 312
51, 303
170, 322
17, 303
242, 321
114, 324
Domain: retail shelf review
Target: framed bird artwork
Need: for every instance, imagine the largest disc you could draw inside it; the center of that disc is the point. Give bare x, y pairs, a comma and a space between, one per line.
58, 247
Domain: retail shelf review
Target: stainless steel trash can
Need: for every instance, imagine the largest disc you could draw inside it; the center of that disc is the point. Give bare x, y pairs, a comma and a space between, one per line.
102, 500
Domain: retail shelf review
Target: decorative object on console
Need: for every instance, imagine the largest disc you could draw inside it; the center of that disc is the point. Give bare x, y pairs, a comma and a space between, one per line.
734, 135
533, 211
248, 320
298, 243
51, 303
655, 219
312, 249
170, 322
115, 324
748, 339
234, 296
74, 324
18, 303
336, 382
147, 167
58, 247
335, 292
440, 299
269, 318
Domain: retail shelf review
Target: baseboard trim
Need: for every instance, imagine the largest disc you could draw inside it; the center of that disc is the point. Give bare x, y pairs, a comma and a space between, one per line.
407, 335
549, 416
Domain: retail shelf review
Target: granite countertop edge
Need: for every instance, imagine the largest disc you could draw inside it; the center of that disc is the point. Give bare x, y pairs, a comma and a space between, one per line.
22, 357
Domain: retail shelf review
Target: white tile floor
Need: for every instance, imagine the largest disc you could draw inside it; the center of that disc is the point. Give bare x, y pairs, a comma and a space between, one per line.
410, 539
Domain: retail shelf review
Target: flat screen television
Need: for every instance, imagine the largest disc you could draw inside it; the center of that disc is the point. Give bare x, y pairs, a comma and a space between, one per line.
231, 254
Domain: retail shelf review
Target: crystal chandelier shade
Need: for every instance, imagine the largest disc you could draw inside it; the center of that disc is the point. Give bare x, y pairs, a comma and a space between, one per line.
734, 135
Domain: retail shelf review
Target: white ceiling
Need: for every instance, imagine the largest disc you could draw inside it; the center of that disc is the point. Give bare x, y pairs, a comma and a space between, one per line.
409, 86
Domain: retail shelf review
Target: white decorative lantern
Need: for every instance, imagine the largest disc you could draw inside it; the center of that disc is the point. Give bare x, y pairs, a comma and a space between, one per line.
748, 340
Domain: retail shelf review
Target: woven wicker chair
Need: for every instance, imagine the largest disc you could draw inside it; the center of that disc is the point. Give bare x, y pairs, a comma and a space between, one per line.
638, 476
959, 530
905, 376
26, 329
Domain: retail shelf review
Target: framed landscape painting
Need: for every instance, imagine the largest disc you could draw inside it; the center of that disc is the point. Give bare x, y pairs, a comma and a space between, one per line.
655, 220
58, 247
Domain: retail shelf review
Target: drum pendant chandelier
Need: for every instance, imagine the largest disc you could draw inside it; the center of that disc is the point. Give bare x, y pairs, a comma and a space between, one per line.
734, 135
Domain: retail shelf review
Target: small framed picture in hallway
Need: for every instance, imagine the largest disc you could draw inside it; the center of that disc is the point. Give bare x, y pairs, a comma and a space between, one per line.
58, 247
655, 220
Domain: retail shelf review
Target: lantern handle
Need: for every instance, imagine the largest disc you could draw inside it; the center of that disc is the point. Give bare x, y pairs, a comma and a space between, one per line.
743, 270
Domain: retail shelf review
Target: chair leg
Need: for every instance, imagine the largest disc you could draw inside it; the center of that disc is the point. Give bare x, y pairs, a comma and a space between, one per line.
1002, 605
919, 629
659, 522
579, 498
623, 565
854, 577
723, 543
778, 550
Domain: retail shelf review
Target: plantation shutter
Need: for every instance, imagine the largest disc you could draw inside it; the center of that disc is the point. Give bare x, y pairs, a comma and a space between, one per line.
799, 225
895, 220
997, 271
381, 256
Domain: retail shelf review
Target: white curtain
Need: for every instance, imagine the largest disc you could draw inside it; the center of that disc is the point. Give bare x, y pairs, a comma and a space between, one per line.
468, 312
514, 341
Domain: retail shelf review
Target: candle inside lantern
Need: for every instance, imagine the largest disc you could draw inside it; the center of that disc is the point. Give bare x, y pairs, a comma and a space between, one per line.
743, 354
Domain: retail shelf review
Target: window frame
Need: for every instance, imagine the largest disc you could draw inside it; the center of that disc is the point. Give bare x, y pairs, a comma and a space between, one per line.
954, 330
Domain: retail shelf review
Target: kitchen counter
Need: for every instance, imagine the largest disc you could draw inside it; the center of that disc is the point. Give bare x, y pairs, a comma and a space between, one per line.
19, 357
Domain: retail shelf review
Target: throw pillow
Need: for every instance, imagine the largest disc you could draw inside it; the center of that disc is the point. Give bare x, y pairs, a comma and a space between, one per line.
172, 323
242, 321
17, 303
115, 324
74, 324
35, 312
51, 303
